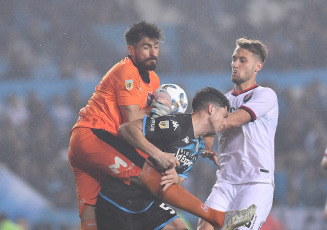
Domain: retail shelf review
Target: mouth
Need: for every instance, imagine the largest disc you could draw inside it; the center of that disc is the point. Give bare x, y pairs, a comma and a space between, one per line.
152, 59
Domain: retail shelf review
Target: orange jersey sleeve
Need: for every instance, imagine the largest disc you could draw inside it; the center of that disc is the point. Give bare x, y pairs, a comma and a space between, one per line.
122, 85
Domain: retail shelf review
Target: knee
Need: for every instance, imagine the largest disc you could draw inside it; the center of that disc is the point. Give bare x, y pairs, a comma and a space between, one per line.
204, 225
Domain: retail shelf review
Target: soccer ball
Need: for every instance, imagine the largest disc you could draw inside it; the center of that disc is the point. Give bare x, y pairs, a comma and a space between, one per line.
178, 96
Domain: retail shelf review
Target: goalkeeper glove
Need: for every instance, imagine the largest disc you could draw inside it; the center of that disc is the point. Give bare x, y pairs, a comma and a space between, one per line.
161, 104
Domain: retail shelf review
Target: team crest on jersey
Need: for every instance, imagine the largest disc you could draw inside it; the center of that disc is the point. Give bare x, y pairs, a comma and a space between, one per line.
247, 97
129, 84
164, 124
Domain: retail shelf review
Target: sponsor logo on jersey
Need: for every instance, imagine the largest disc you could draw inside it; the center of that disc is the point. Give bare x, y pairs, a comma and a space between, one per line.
185, 157
129, 84
164, 124
175, 124
247, 97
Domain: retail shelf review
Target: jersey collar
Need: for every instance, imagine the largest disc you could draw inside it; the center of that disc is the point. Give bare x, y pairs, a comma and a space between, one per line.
234, 93
143, 73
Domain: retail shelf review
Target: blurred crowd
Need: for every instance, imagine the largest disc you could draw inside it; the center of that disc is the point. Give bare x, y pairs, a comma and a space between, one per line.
35, 140
56, 40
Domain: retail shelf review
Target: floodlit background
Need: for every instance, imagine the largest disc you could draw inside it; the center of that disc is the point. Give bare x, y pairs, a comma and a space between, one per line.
54, 52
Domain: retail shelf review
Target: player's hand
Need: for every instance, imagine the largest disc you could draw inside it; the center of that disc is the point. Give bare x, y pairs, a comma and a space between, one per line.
161, 104
165, 161
169, 177
211, 154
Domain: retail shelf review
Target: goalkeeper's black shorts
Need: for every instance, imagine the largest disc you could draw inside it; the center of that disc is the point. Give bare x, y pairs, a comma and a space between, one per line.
123, 207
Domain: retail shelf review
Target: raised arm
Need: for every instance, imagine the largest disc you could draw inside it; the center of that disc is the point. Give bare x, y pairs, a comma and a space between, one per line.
237, 118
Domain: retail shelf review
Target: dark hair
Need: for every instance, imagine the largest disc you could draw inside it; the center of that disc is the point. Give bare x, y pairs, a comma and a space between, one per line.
209, 95
254, 46
140, 30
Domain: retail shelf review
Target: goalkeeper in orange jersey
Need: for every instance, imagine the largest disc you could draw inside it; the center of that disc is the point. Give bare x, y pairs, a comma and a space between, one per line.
141, 205
124, 94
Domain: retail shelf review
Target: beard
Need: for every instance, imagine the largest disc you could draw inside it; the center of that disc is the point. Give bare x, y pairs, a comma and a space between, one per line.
151, 66
145, 66
238, 80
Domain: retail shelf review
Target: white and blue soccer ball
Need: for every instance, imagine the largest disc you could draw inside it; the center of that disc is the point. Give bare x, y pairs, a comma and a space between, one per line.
178, 97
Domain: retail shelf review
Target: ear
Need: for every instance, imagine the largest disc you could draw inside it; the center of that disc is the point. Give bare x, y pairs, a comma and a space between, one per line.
210, 108
131, 50
258, 66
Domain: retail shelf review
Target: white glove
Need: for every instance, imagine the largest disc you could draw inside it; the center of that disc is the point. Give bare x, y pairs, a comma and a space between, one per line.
161, 104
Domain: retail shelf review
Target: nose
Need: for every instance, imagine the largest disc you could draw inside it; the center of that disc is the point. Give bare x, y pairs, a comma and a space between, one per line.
154, 51
234, 64
151, 52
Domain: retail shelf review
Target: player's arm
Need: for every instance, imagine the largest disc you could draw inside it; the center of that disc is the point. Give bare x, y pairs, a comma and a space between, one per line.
237, 118
208, 151
131, 112
161, 105
133, 134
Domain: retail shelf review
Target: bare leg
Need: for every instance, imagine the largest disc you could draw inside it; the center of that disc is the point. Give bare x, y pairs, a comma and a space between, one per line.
88, 221
176, 224
204, 225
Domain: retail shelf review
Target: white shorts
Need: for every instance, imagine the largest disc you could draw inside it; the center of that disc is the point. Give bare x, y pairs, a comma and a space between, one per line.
224, 197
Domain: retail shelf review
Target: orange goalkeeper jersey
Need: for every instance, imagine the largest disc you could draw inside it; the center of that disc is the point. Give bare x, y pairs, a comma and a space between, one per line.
122, 85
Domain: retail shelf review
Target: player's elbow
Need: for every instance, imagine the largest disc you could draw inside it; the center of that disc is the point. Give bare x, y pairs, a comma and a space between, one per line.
122, 130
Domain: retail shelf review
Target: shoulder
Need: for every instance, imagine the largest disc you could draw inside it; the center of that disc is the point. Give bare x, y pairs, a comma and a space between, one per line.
265, 92
177, 123
123, 70
229, 93
179, 118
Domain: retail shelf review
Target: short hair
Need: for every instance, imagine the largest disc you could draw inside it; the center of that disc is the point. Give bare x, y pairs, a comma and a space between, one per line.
254, 46
209, 95
142, 29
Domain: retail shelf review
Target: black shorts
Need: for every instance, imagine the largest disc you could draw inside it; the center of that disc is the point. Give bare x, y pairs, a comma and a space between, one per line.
123, 207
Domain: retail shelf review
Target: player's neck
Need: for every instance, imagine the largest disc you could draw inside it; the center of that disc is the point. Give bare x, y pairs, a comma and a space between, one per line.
195, 123
244, 86
199, 124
